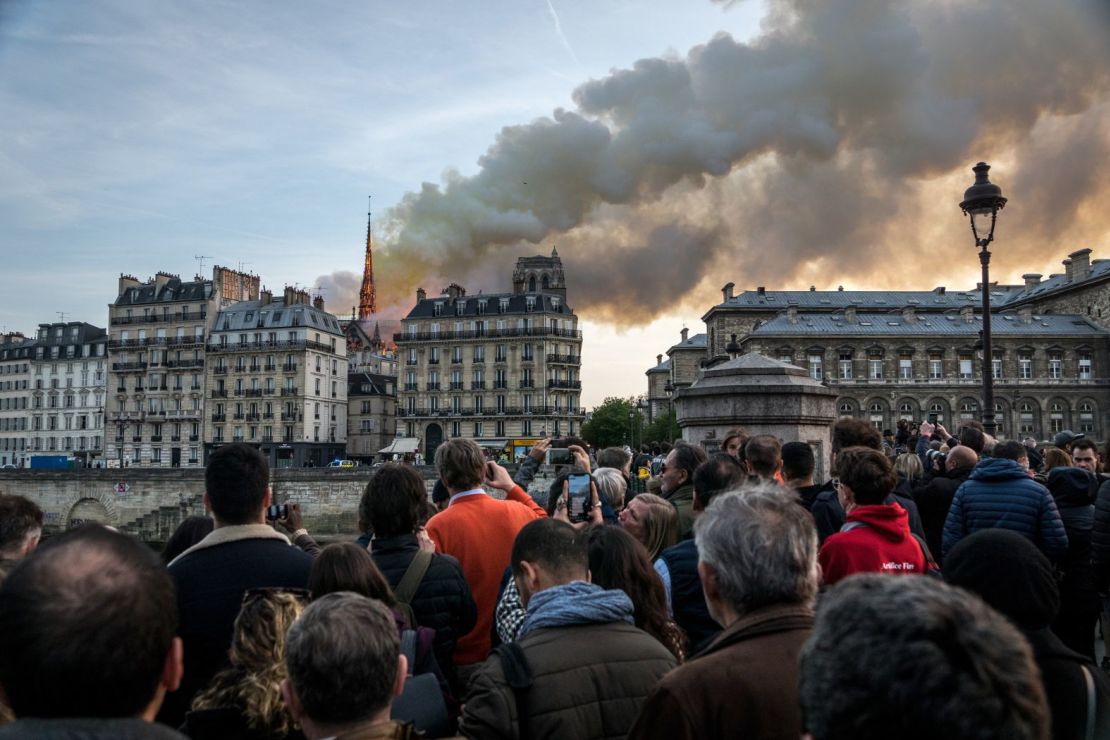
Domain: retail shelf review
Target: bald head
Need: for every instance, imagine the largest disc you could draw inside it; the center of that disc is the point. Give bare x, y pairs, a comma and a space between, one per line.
961, 458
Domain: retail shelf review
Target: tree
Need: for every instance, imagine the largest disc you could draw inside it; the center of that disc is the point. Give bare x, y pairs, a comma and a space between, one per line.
664, 429
611, 425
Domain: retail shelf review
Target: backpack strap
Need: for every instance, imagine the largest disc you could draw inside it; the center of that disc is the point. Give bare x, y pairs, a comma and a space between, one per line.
414, 574
1091, 702
931, 566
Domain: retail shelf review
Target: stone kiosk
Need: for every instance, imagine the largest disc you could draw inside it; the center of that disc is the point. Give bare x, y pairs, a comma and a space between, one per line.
763, 396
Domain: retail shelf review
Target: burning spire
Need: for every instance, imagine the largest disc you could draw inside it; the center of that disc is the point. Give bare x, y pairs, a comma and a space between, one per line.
367, 295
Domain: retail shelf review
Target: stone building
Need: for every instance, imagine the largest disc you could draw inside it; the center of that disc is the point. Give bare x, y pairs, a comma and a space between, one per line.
492, 367
156, 354
277, 379
371, 414
16, 352
68, 381
907, 354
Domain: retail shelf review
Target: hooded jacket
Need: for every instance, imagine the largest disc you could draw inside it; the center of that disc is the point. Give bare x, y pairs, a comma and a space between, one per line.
999, 493
875, 539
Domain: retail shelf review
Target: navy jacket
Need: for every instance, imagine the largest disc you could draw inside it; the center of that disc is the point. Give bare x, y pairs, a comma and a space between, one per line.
687, 596
442, 602
1000, 493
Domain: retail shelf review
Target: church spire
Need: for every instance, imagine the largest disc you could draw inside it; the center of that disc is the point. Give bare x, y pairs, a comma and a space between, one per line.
367, 295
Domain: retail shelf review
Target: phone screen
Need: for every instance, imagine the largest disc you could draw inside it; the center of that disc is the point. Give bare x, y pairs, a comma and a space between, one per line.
932, 418
559, 456
578, 489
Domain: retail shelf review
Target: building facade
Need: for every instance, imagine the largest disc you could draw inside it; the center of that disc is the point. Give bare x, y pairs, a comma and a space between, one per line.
68, 382
914, 354
16, 353
371, 414
156, 374
492, 367
277, 379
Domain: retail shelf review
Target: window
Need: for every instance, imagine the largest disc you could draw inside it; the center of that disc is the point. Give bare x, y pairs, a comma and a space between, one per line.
1055, 367
816, 370
1086, 417
1084, 367
1056, 416
996, 367
875, 369
905, 368
846, 365
966, 372
936, 367
456, 429
1025, 367
477, 429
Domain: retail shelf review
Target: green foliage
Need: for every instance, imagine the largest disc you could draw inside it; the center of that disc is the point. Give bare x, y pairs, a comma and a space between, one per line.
664, 429
610, 424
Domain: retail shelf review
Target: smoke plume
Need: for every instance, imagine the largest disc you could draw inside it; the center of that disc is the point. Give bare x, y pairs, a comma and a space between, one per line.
832, 148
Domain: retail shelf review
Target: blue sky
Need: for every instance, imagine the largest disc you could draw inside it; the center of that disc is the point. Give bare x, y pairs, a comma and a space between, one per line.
134, 135
820, 143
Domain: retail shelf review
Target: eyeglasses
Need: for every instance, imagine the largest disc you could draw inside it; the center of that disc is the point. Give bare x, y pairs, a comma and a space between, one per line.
836, 484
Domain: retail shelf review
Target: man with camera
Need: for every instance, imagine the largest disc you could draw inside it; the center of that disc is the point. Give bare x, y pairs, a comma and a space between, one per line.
934, 498
241, 553
478, 530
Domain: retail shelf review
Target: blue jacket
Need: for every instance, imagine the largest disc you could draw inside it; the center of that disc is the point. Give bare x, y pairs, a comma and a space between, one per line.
1000, 493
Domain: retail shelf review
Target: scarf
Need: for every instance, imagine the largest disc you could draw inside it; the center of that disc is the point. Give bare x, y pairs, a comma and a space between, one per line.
574, 603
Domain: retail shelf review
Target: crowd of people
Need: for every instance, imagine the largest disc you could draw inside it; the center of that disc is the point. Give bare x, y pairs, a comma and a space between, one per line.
936, 585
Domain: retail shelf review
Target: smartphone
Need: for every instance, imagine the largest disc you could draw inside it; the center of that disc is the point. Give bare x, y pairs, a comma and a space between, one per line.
559, 456
932, 418
277, 511
578, 491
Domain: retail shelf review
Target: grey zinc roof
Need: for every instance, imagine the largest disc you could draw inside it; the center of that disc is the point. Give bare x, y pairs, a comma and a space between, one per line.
865, 299
425, 309
1100, 269
662, 367
174, 290
250, 315
698, 341
950, 324
374, 382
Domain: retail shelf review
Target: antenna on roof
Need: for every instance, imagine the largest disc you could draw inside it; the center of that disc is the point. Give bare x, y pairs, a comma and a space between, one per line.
241, 265
61, 316
200, 258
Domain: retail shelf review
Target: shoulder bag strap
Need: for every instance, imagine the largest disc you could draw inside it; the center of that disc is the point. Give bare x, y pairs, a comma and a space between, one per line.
414, 574
1091, 702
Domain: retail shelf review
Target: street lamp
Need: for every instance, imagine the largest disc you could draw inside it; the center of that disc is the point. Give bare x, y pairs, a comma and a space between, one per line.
982, 202
631, 429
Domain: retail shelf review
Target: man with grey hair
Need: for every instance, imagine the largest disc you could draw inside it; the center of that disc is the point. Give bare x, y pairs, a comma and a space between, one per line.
757, 558
943, 665
611, 486
345, 666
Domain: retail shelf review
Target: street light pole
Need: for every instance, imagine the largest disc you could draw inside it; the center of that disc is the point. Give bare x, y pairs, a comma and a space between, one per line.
982, 202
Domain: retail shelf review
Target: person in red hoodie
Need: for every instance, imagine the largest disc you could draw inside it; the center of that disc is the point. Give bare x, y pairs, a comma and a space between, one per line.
876, 537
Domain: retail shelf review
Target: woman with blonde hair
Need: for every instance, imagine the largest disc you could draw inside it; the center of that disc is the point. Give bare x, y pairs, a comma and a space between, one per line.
244, 700
653, 521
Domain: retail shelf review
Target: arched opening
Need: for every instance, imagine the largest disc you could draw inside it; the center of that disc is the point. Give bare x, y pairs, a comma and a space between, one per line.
532, 284
85, 511
433, 438
546, 282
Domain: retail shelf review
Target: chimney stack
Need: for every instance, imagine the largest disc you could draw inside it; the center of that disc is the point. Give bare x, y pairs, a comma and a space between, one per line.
792, 313
685, 333
909, 314
126, 282
1069, 271
265, 297
850, 313
318, 303
1032, 280
727, 291
1026, 314
421, 294
659, 359
1080, 264
761, 290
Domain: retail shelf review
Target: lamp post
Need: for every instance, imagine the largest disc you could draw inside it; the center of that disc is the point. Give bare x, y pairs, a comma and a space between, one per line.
982, 202
631, 429
669, 390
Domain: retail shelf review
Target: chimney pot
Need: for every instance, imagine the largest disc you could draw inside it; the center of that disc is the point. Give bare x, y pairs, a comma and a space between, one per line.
1069, 270
1032, 280
421, 294
727, 291
1026, 314
1081, 264
685, 333
659, 359
762, 290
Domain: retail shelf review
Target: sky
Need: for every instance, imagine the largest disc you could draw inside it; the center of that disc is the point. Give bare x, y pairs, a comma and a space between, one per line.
665, 147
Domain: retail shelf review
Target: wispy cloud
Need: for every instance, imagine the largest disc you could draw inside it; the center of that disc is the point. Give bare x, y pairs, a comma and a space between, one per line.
559, 32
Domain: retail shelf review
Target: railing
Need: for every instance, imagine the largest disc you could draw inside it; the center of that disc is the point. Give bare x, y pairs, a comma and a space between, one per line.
153, 319
565, 359
219, 394
432, 387
253, 393
535, 331
477, 386
527, 384
565, 384
290, 417
288, 391
506, 411
263, 346
184, 364
126, 367
220, 370
219, 417
154, 341
456, 386
156, 438
289, 367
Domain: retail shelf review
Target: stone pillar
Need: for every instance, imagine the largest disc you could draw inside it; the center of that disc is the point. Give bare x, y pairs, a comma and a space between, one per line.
763, 396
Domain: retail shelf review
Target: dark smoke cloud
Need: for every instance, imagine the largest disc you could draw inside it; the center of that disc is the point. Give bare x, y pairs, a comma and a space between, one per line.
830, 149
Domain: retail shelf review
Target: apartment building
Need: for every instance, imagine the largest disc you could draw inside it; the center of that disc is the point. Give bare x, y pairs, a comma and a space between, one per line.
16, 352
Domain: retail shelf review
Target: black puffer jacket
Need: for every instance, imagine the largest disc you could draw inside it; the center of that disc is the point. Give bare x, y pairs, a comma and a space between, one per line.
1100, 538
443, 600
933, 501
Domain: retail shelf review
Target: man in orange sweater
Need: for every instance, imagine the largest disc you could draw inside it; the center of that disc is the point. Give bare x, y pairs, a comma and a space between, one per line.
479, 531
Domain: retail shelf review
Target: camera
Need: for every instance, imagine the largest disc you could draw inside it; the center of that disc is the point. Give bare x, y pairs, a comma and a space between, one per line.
277, 511
559, 456
937, 458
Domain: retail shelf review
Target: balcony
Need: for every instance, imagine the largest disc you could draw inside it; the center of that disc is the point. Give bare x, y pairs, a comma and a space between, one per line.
176, 438
456, 386
267, 438
441, 336
271, 368
528, 358
410, 386
476, 386
479, 361
289, 367
156, 438
565, 359
219, 394
194, 437
219, 417
152, 319
267, 346
220, 370
255, 368
238, 417
500, 385
500, 358
290, 417
432, 386
184, 364
434, 362
253, 393
268, 416
129, 367
572, 385
527, 384
288, 391
253, 417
